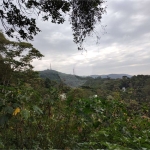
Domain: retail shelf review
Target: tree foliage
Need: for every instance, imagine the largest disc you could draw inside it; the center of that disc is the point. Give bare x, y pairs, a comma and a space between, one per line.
18, 55
17, 16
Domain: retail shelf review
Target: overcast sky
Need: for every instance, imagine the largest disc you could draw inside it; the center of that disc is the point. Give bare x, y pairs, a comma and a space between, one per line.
125, 48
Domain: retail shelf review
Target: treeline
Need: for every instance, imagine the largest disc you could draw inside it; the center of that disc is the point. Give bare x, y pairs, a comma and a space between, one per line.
134, 88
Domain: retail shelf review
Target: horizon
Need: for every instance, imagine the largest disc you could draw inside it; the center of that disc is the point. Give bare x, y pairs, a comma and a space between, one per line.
95, 74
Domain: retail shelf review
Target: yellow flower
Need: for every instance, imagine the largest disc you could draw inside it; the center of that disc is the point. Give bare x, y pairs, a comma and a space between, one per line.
17, 110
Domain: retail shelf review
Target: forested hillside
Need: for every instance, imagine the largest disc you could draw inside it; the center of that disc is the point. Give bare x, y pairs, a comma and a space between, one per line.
130, 87
100, 114
74, 80
68, 79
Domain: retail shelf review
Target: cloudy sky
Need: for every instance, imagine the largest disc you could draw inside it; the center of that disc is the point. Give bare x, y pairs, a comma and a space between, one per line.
125, 48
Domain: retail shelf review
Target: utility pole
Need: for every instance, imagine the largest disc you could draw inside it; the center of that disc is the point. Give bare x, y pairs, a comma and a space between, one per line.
50, 67
73, 72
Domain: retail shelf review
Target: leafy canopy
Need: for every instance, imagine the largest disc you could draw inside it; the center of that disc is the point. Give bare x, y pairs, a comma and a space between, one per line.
18, 55
17, 16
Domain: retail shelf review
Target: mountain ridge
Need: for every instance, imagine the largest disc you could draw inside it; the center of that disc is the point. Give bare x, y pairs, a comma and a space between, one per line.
75, 80
112, 75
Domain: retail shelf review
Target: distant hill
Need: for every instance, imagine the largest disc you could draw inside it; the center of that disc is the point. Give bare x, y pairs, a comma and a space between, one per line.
112, 76
73, 80
68, 79
51, 74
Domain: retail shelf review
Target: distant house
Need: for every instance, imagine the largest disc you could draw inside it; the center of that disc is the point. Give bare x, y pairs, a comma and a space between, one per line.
123, 89
62, 96
93, 96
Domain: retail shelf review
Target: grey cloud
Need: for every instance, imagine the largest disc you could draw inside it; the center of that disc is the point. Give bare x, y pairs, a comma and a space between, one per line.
128, 32
124, 49
117, 27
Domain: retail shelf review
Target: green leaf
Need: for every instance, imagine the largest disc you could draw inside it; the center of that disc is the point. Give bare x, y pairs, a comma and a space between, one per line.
1, 145
8, 110
25, 114
37, 110
3, 120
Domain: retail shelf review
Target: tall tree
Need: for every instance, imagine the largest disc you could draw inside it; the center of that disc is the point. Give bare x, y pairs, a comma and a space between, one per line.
18, 55
5, 72
15, 60
84, 14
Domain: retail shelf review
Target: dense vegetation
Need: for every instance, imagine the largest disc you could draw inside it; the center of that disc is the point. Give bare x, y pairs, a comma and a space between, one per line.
33, 115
